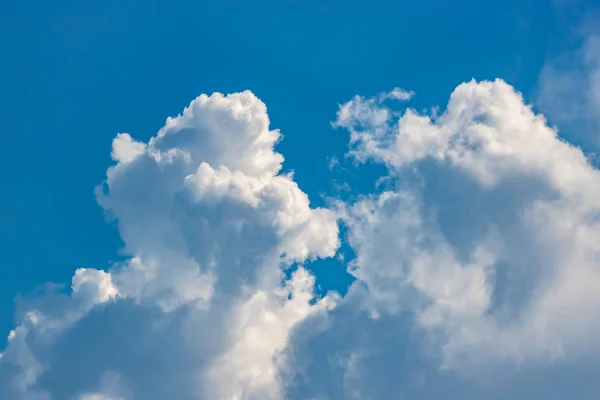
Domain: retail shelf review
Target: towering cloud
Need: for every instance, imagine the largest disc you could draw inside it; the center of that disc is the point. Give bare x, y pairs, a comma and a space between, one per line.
211, 290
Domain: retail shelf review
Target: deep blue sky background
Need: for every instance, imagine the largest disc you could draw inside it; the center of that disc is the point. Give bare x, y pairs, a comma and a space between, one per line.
74, 73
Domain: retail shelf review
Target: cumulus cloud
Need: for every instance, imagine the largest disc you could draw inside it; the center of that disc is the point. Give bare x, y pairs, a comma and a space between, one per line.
489, 232
475, 265
206, 301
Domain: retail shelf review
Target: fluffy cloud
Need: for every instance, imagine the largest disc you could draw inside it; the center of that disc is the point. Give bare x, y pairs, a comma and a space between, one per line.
205, 303
475, 265
489, 230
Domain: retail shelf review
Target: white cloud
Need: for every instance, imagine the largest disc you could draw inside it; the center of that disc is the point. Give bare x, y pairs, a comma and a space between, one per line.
259, 334
97, 285
397, 94
475, 265
360, 114
490, 232
210, 226
126, 149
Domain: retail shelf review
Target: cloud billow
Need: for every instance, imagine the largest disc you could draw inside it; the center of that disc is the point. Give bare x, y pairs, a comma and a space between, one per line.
211, 226
477, 260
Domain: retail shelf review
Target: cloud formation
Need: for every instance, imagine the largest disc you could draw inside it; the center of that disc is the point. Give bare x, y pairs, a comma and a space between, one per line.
487, 232
476, 264
211, 289
529, 202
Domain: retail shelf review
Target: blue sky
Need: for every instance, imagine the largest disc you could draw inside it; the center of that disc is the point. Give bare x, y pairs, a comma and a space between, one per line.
74, 74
